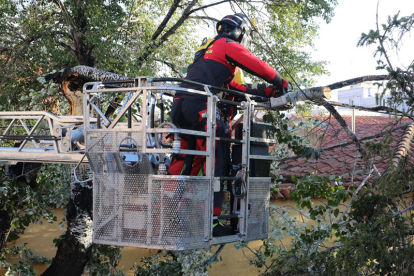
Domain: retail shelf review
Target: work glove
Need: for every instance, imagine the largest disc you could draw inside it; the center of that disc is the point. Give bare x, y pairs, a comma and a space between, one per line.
276, 91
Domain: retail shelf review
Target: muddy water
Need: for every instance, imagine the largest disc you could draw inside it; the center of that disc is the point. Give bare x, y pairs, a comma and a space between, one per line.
39, 239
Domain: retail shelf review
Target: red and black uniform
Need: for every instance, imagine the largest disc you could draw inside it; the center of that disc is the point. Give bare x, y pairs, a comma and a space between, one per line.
216, 65
222, 58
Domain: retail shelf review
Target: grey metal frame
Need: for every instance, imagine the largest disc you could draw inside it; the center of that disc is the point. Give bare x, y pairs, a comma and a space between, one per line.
40, 150
132, 204
143, 89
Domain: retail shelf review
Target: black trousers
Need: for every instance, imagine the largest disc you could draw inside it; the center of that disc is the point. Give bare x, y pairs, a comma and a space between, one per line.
187, 113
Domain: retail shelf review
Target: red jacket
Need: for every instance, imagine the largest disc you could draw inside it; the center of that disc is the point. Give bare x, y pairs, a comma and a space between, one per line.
222, 58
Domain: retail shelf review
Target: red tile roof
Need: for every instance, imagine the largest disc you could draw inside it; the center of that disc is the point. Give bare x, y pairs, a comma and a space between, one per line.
340, 156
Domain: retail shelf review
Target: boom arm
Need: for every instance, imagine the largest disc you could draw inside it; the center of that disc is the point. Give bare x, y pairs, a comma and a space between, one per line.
38, 136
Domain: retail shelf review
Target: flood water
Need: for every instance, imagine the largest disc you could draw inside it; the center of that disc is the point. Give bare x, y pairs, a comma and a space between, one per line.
39, 239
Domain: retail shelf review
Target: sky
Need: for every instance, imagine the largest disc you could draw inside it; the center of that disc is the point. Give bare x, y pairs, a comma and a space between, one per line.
337, 41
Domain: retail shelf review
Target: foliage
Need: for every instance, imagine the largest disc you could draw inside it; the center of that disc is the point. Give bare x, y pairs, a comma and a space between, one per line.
289, 138
105, 261
388, 38
38, 38
189, 262
288, 27
28, 205
365, 229
26, 261
127, 37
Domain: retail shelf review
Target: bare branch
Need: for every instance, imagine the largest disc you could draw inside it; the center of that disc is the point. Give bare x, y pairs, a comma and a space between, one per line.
61, 33
155, 44
210, 5
166, 19
373, 109
353, 196
67, 47
403, 211
31, 39
203, 18
366, 138
214, 257
351, 135
341, 84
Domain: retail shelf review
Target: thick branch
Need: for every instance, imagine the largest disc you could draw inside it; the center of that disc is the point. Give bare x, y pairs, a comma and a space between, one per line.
166, 19
86, 73
150, 48
214, 257
341, 84
351, 135
372, 109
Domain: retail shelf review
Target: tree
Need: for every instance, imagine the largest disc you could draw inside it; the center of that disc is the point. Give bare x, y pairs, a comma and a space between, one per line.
372, 233
130, 38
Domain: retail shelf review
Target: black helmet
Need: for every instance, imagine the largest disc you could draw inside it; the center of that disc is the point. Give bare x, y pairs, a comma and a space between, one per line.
238, 27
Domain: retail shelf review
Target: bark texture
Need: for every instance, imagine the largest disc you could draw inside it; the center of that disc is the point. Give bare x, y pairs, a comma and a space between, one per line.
72, 88
341, 84
74, 250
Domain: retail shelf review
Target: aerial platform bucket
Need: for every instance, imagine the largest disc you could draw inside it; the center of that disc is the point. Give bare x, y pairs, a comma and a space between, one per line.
136, 204
133, 207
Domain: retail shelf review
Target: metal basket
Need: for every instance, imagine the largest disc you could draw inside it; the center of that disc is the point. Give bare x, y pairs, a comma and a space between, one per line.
133, 207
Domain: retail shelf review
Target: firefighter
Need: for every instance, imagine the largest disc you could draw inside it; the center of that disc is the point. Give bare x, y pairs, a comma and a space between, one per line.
216, 63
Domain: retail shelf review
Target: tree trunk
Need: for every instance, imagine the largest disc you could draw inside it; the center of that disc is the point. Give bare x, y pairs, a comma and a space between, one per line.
72, 88
74, 251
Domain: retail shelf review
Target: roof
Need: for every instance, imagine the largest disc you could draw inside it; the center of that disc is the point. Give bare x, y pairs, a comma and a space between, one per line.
340, 156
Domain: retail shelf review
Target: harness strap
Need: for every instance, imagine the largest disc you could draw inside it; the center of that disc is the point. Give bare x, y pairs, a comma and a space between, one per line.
206, 70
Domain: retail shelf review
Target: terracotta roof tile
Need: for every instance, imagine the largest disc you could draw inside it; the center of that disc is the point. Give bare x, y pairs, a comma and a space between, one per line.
340, 152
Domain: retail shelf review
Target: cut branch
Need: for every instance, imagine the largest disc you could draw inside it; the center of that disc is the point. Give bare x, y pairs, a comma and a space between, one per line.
86, 73
341, 84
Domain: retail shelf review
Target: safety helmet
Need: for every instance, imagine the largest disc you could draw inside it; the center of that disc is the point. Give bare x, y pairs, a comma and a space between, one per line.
238, 27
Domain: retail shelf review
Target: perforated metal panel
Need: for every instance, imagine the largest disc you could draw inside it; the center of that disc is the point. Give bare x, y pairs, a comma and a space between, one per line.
133, 207
258, 213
